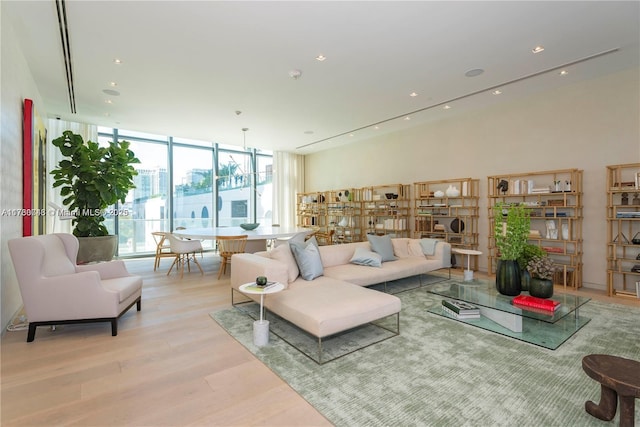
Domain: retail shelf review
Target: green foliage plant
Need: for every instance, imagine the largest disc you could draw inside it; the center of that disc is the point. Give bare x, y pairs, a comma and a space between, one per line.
511, 229
92, 178
528, 253
541, 267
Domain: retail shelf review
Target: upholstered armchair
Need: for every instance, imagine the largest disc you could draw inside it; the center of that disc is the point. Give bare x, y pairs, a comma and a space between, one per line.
56, 291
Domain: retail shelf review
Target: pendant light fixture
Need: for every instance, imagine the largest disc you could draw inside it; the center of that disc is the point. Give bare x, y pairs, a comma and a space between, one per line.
244, 138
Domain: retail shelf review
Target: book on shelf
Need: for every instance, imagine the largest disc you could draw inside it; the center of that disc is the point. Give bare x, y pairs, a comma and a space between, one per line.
535, 302
461, 307
446, 310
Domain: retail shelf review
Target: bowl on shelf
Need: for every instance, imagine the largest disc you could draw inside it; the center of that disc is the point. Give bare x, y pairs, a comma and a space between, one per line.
391, 195
251, 226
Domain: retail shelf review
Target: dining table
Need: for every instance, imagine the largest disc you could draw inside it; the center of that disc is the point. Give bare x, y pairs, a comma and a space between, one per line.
256, 238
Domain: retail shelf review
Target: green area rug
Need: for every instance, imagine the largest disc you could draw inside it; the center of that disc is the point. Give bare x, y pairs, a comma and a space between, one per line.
440, 372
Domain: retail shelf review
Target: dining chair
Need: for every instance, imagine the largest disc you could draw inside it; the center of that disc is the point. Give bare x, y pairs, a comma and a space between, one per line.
228, 246
163, 248
184, 252
187, 238
323, 238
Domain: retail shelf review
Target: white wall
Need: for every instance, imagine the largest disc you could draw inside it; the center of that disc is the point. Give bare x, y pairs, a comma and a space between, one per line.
16, 84
587, 125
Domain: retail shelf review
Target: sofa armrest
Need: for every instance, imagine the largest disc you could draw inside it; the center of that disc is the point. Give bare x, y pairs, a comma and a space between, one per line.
246, 267
442, 254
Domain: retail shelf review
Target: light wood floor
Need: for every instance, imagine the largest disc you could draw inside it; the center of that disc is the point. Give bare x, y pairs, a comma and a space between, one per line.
170, 365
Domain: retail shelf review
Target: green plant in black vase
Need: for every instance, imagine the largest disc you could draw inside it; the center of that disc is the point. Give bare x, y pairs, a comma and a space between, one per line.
542, 270
528, 253
511, 231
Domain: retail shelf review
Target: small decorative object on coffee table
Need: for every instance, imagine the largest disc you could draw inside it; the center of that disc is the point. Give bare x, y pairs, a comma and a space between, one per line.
261, 287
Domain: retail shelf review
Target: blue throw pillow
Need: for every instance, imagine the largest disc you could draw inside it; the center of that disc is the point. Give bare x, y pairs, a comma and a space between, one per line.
383, 246
308, 258
362, 256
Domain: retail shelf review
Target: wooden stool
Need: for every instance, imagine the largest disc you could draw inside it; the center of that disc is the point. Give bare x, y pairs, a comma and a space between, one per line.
619, 378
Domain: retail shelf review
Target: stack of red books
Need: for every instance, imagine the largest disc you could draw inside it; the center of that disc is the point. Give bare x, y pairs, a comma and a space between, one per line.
535, 302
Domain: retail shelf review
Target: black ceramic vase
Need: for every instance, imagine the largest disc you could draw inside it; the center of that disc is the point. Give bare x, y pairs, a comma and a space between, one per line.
541, 288
525, 279
508, 280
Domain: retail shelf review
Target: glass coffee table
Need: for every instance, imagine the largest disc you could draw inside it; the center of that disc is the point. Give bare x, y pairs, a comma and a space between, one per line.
498, 314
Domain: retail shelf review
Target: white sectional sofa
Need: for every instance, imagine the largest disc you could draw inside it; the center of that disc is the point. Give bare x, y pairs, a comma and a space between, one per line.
339, 299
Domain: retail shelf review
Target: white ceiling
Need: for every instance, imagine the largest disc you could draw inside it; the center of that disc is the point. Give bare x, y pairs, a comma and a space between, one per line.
189, 66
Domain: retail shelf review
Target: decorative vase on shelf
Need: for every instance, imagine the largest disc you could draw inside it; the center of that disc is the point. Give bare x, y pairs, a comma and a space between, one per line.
438, 194
452, 191
508, 280
541, 288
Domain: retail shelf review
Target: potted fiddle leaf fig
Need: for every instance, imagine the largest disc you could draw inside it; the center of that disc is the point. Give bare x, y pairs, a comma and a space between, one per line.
91, 178
512, 223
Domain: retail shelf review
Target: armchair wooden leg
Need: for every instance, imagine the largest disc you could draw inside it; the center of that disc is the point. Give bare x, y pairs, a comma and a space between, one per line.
114, 326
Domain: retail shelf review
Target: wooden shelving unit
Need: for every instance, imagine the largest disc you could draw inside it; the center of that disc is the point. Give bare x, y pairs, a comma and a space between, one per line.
344, 215
312, 210
452, 218
555, 200
386, 210
623, 229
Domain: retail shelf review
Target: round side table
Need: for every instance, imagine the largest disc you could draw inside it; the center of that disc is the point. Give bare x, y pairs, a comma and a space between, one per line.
261, 326
468, 273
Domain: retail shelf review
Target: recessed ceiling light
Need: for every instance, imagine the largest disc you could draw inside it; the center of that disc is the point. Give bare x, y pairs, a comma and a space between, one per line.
117, 61
321, 58
407, 118
350, 134
413, 94
108, 101
497, 92
113, 84
295, 74
564, 72
475, 72
446, 107
537, 49
376, 127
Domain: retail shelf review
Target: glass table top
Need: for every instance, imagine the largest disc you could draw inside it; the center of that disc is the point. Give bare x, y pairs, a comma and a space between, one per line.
485, 294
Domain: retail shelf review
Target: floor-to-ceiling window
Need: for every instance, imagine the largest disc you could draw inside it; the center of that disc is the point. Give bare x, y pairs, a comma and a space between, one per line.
178, 186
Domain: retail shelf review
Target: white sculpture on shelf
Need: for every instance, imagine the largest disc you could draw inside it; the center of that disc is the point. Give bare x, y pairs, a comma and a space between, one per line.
452, 191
